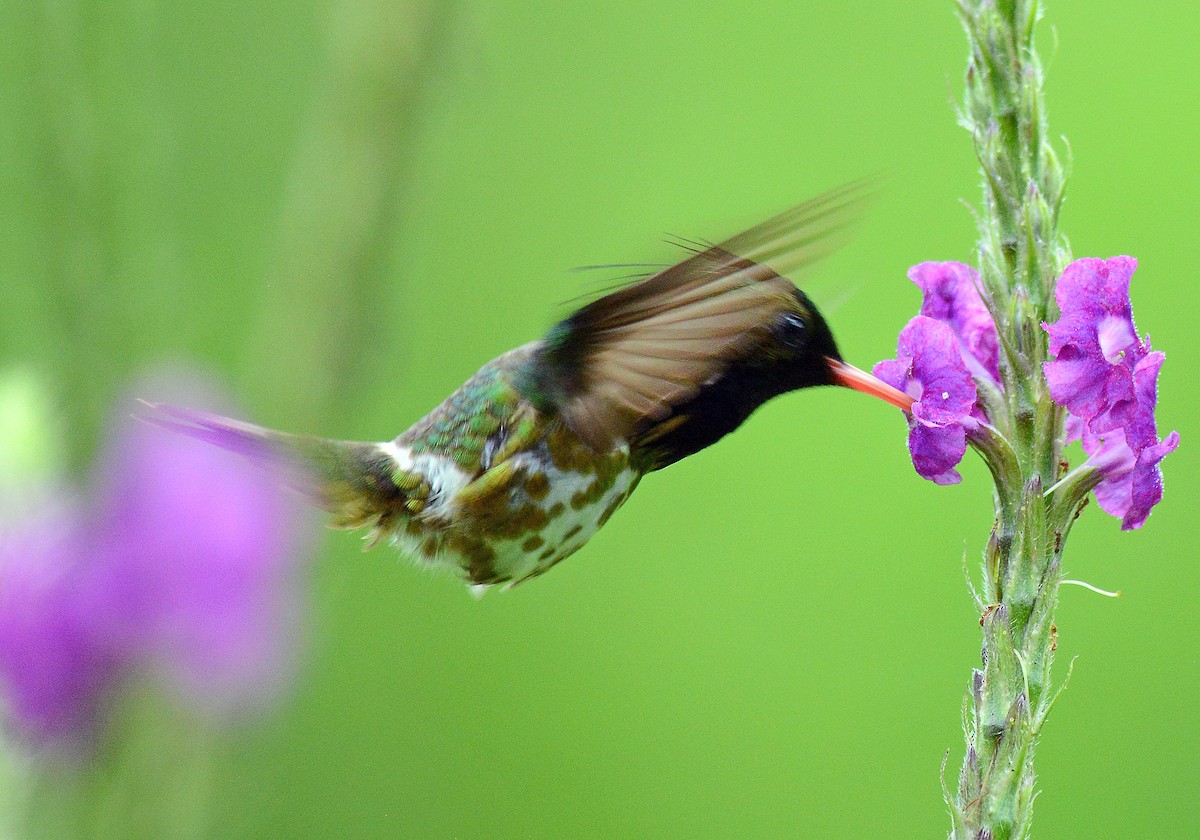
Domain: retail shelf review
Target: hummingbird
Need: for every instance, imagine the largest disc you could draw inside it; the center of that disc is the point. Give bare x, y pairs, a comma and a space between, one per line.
519, 467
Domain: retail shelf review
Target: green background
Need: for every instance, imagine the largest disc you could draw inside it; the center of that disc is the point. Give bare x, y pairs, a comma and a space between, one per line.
344, 208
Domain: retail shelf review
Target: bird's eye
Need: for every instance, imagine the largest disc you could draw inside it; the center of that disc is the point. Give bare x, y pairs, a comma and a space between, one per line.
792, 331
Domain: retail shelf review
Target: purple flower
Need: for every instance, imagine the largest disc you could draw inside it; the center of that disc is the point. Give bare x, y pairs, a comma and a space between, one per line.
201, 547
929, 367
1095, 343
1128, 457
1133, 482
1108, 380
53, 664
950, 294
184, 564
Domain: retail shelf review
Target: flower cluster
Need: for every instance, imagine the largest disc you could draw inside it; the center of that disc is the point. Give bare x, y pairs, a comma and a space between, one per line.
940, 356
182, 562
1107, 378
1102, 373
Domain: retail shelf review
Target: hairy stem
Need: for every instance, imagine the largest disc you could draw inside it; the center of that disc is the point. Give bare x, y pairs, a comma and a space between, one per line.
1020, 255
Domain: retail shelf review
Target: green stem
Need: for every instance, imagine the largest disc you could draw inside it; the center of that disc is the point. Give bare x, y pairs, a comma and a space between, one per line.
1020, 255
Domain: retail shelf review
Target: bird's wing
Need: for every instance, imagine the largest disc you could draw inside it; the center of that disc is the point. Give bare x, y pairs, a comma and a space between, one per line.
626, 358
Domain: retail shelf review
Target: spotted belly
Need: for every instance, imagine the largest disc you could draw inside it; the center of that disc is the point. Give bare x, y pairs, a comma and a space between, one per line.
520, 517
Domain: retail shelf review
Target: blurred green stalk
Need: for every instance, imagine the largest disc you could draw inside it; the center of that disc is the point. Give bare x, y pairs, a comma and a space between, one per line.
89, 228
95, 221
1021, 255
323, 311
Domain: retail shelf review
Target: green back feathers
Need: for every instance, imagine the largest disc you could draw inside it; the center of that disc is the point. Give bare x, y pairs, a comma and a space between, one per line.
467, 425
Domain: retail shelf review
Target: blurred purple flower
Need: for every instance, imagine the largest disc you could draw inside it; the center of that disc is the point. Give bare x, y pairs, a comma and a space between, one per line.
201, 547
950, 294
1094, 342
929, 367
52, 663
184, 564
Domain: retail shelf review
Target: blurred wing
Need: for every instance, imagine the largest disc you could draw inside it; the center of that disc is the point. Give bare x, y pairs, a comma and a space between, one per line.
628, 357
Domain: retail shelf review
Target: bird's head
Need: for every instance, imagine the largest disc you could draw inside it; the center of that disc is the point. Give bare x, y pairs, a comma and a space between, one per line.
818, 361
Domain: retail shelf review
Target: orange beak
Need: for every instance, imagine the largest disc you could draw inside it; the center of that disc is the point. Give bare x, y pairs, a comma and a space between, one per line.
860, 380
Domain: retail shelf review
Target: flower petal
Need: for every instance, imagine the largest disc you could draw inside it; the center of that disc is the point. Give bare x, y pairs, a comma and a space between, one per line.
1146, 482
1115, 335
1139, 422
1094, 342
1085, 389
936, 451
1132, 494
950, 294
947, 390
898, 374
929, 366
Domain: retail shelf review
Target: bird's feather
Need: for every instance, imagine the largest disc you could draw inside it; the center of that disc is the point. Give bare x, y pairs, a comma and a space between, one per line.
624, 360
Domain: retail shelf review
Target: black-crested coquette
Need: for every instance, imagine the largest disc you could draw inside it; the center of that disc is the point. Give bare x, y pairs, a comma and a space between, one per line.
521, 465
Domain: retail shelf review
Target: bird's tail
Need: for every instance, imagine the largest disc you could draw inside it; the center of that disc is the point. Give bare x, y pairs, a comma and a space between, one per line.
354, 481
